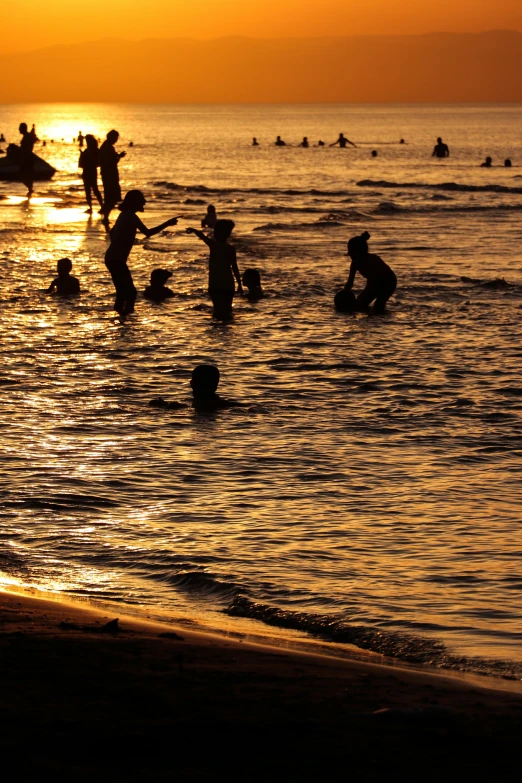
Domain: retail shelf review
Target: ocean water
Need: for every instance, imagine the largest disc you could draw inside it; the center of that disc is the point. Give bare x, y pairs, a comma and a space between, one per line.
369, 491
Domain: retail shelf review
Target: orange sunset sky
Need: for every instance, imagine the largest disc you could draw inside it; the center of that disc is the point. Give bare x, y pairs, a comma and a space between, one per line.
34, 24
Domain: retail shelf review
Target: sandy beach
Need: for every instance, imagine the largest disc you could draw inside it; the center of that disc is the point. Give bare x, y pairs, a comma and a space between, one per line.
83, 697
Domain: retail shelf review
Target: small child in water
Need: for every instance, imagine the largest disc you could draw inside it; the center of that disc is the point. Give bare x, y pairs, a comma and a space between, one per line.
222, 267
157, 291
65, 284
252, 281
204, 382
380, 279
210, 219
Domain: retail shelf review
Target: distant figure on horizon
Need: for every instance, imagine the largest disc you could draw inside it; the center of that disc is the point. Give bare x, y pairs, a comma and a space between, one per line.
204, 382
402, 141
252, 281
29, 139
279, 142
374, 153
380, 279
157, 291
65, 284
89, 163
507, 163
131, 144
123, 236
222, 267
440, 150
210, 219
109, 160
81, 139
343, 142
487, 163
304, 142
2, 138
255, 142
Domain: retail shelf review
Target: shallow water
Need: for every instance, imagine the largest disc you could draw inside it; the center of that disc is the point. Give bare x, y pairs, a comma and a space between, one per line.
369, 492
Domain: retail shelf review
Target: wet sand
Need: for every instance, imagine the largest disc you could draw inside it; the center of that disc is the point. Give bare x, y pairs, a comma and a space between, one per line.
83, 700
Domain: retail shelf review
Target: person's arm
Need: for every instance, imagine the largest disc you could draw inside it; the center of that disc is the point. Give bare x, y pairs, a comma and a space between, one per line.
351, 142
51, 288
235, 270
447, 152
334, 144
150, 232
351, 277
200, 235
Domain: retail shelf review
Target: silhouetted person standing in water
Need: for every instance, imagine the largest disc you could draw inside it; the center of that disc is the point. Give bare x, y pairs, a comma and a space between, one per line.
81, 138
380, 279
440, 150
343, 142
89, 163
123, 236
304, 142
29, 139
109, 160
255, 142
487, 163
279, 142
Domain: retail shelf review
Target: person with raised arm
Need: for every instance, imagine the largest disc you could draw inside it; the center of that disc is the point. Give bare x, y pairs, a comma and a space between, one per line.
222, 267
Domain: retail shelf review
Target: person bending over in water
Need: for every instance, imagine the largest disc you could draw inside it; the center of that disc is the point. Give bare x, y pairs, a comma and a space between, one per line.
440, 150
65, 284
204, 382
210, 219
222, 267
380, 279
343, 142
89, 163
123, 236
157, 291
252, 281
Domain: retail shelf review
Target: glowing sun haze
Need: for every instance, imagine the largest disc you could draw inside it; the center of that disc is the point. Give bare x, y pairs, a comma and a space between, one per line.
38, 23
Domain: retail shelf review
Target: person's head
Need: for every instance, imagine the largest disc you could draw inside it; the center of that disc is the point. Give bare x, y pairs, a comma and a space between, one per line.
91, 142
374, 153
22, 127
439, 140
158, 277
507, 163
113, 136
204, 380
489, 161
358, 246
305, 138
223, 229
251, 278
211, 210
134, 201
279, 138
341, 135
402, 141
64, 267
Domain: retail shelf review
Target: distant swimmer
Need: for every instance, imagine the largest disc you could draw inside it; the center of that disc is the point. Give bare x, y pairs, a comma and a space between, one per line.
321, 143
255, 142
29, 139
210, 219
2, 138
131, 144
252, 282
222, 267
204, 382
380, 279
109, 160
89, 162
123, 236
157, 291
440, 150
304, 142
402, 141
343, 142
374, 153
80, 139
487, 163
507, 163
279, 142
65, 284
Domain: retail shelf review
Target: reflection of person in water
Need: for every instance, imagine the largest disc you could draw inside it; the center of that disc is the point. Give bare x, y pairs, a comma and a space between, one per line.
123, 236
279, 142
222, 267
89, 163
65, 284
304, 142
157, 291
109, 160
343, 142
440, 150
210, 219
380, 279
487, 163
27, 143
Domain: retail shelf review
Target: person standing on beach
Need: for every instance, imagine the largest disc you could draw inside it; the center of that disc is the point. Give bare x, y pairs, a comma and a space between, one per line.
89, 163
29, 139
343, 142
109, 160
222, 267
381, 281
123, 236
440, 150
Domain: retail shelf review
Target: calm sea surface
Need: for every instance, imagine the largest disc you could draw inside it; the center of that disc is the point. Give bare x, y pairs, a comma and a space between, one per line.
370, 491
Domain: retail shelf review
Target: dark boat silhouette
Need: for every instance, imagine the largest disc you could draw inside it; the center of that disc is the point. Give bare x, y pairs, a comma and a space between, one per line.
10, 167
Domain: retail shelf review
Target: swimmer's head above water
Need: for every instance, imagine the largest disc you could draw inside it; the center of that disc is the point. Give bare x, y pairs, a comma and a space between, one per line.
204, 380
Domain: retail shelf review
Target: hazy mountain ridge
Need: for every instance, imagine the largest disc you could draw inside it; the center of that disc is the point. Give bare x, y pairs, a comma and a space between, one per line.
435, 67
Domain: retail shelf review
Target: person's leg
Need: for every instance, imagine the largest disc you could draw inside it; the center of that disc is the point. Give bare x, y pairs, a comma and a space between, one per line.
120, 277
87, 188
385, 290
222, 301
366, 297
96, 191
